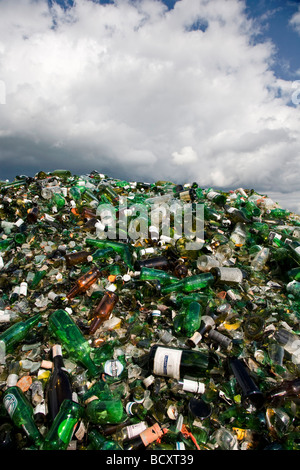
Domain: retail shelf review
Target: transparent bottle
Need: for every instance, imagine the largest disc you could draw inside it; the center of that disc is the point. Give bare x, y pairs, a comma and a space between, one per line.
84, 282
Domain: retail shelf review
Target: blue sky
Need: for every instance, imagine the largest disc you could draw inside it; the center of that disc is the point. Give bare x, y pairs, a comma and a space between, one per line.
187, 90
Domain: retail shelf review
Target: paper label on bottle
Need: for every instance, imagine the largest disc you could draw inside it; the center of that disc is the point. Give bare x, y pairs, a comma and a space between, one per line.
10, 403
167, 362
151, 434
180, 446
135, 429
128, 407
56, 350
193, 386
23, 288
113, 367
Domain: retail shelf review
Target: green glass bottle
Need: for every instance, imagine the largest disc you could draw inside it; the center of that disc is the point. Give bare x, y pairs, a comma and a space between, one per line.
107, 191
70, 336
99, 442
21, 413
178, 363
152, 274
104, 410
62, 428
120, 248
6, 244
192, 318
190, 284
39, 275
17, 332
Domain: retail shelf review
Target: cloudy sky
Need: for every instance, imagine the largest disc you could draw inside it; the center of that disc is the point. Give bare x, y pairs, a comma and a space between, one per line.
187, 90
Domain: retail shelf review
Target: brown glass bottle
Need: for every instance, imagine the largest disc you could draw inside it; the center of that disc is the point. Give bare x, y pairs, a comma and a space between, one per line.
32, 214
84, 282
103, 310
287, 389
78, 257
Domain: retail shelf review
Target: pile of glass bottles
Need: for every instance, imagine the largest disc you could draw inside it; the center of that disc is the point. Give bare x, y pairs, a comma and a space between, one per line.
124, 327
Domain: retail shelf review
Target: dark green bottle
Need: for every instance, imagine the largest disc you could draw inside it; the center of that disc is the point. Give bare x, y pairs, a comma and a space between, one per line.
63, 426
99, 442
178, 363
17, 332
21, 413
70, 336
152, 274
120, 248
190, 283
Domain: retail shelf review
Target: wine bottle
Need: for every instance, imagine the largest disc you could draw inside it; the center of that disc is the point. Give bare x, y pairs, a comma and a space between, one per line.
59, 387
104, 410
178, 363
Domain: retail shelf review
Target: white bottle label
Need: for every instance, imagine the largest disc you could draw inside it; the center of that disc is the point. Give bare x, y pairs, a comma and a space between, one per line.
56, 350
23, 288
167, 362
136, 429
10, 404
193, 386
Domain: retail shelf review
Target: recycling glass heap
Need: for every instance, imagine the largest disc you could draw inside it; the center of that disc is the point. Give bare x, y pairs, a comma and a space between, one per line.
117, 271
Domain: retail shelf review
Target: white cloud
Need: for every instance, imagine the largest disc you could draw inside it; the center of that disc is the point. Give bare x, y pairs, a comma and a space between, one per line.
295, 21
186, 156
131, 90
